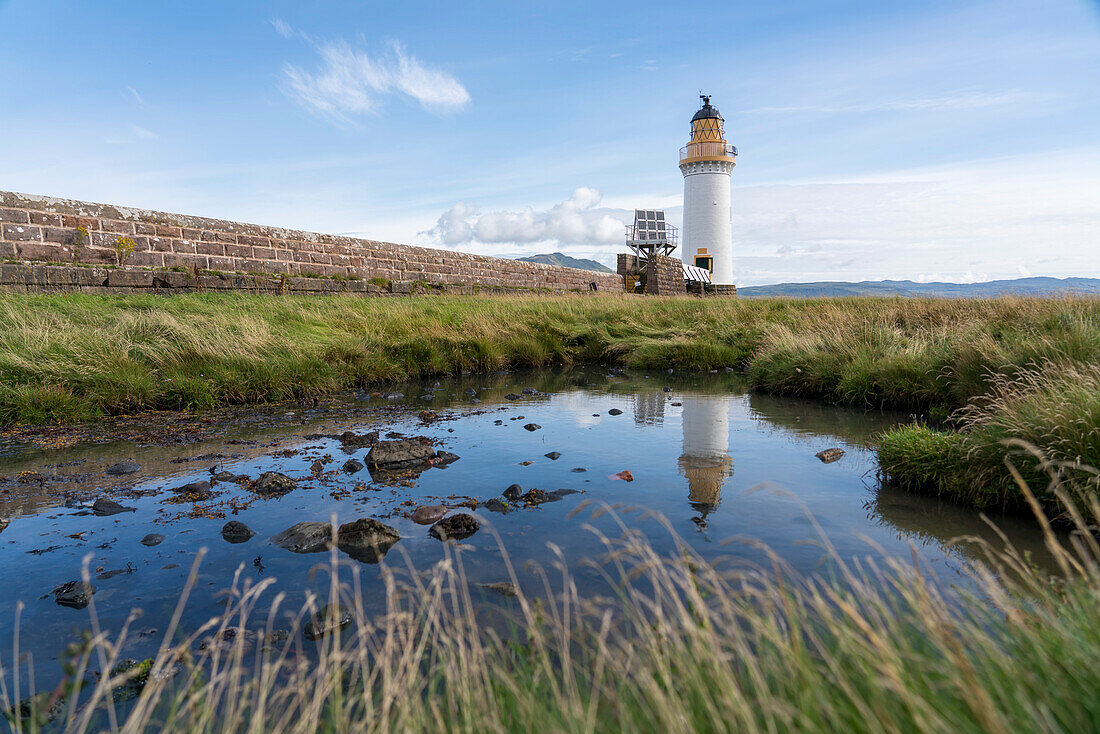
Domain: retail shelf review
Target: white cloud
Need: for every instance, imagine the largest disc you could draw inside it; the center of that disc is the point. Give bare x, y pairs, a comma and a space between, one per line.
352, 82
574, 224
134, 93
143, 133
282, 27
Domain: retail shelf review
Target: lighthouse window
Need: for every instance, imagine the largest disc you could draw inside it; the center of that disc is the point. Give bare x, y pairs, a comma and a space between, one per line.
660, 216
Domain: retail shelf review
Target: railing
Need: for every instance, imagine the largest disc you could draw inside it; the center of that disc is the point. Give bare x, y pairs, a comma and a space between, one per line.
704, 150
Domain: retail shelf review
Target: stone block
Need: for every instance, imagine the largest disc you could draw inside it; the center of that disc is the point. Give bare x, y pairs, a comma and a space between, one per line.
41, 251
205, 247
21, 232
15, 216
118, 227
130, 278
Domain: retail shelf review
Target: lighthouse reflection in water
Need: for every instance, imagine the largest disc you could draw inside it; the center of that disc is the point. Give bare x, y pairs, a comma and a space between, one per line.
705, 460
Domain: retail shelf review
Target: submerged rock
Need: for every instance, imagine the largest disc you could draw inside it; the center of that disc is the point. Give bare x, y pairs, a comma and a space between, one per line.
357, 441
400, 451
532, 426
74, 594
513, 492
553, 455
195, 491
124, 467
497, 505
393, 395
351, 466
366, 540
455, 527
305, 537
512, 396
330, 618
828, 456
442, 458
537, 497
504, 588
105, 507
614, 411
428, 514
235, 531
152, 539
272, 483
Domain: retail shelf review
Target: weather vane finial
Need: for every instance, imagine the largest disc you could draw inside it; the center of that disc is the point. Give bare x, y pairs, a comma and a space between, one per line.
705, 98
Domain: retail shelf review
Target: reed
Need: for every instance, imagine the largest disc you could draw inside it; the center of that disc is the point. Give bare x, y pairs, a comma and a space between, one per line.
681, 645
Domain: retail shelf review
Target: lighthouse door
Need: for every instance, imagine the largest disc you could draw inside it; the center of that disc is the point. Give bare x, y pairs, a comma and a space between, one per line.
704, 262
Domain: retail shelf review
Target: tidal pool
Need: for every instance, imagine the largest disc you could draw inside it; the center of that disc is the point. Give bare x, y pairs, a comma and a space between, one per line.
714, 460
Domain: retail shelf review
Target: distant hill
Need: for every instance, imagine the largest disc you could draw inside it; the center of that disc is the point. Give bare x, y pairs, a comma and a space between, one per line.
557, 258
1018, 287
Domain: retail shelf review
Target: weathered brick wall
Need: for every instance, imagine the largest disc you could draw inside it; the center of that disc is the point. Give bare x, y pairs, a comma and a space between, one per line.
47, 230
665, 276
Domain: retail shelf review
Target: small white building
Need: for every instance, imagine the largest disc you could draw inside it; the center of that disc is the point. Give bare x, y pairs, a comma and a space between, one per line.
707, 162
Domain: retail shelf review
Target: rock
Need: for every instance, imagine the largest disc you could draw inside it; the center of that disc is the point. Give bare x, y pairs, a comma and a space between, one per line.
559, 493
532, 427
393, 395
505, 588
3, 524
498, 422
442, 458
105, 507
537, 497
625, 475
401, 451
330, 618
272, 483
475, 400
676, 405
351, 466
428, 514
828, 456
223, 476
305, 537
512, 396
529, 391
614, 411
553, 455
455, 527
75, 594
497, 505
317, 467
470, 392
513, 492
366, 540
428, 396
235, 531
152, 539
578, 470
124, 467
195, 491
356, 441
668, 389
427, 416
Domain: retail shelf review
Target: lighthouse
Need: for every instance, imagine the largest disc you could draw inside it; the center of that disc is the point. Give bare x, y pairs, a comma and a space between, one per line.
707, 162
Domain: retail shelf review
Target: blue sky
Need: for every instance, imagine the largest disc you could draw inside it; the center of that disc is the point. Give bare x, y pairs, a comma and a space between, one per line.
927, 140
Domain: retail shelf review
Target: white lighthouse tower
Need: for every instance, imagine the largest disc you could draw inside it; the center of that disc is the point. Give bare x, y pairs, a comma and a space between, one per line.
707, 162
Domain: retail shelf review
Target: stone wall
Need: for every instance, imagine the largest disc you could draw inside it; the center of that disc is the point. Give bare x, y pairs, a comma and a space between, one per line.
664, 276
39, 229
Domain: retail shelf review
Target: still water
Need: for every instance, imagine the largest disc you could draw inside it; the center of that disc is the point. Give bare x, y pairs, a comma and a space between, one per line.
716, 461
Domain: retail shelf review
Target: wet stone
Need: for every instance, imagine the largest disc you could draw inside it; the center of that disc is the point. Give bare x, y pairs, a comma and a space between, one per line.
223, 476
614, 411
532, 427
124, 467
329, 619
74, 594
455, 527
504, 588
104, 507
513, 492
401, 451
428, 514
393, 395
305, 537
578, 470
152, 539
236, 531
497, 505
512, 396
828, 456
442, 458
200, 490
354, 440
351, 466
366, 540
553, 455
272, 483
537, 497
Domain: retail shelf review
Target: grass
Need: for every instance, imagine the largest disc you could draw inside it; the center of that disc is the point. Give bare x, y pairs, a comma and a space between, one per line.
681, 647
72, 357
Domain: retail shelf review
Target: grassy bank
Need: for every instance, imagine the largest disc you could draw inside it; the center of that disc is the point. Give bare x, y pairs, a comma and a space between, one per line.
69, 357
683, 648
